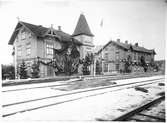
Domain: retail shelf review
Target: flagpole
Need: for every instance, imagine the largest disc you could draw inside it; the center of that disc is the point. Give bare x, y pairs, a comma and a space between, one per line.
101, 25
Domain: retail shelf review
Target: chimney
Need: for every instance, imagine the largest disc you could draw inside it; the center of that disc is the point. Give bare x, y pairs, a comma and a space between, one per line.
126, 42
136, 44
59, 28
118, 40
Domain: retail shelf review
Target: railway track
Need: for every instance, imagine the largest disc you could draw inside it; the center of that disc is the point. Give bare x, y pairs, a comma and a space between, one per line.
28, 105
50, 80
117, 77
142, 113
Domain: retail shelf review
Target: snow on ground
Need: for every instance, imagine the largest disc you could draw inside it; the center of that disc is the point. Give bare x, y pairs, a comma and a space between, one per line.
105, 106
158, 110
28, 94
49, 101
35, 85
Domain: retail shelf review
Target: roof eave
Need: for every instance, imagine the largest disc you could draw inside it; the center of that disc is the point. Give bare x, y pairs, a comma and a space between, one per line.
11, 41
83, 34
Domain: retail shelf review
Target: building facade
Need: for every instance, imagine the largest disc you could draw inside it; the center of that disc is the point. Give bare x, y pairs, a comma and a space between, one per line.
83, 34
31, 42
113, 55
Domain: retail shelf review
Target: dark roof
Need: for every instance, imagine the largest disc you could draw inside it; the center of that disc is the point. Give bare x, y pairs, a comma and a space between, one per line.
40, 31
127, 47
82, 27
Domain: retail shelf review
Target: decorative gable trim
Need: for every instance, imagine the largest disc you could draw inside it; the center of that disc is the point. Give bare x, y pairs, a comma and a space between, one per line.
16, 31
26, 27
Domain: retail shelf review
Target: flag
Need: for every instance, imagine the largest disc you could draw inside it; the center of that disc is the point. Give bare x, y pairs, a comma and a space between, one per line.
101, 23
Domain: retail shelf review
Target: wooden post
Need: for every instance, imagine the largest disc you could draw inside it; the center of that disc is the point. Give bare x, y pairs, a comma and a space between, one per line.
94, 66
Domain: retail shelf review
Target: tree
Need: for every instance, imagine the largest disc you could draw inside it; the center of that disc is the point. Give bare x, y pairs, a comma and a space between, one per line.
8, 72
127, 64
152, 63
66, 60
98, 67
87, 61
22, 71
143, 63
35, 70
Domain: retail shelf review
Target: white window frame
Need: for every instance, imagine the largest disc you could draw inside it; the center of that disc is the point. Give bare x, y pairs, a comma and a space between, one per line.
28, 49
106, 55
117, 55
105, 67
49, 50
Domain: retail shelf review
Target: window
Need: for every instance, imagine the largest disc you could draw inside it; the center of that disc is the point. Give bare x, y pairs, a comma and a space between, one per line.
117, 55
105, 67
19, 51
106, 56
49, 50
23, 35
117, 66
28, 49
135, 56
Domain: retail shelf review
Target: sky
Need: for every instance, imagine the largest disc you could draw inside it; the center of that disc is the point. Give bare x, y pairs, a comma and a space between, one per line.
141, 21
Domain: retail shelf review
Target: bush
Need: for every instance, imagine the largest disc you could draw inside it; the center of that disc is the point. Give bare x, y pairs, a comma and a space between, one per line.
22, 71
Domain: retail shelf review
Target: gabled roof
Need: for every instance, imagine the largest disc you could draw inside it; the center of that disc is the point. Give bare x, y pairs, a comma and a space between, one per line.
40, 31
128, 47
82, 27
97, 48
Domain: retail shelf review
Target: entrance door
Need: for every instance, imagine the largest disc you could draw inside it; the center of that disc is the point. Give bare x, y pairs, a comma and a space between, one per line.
49, 71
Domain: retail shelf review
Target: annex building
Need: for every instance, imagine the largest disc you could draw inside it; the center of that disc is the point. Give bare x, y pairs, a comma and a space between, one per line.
33, 42
114, 54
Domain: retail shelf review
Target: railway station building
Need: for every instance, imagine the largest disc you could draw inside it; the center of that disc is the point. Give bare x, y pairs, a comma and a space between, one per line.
31, 42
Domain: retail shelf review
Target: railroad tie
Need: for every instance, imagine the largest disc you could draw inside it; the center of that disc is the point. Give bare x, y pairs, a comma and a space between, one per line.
161, 119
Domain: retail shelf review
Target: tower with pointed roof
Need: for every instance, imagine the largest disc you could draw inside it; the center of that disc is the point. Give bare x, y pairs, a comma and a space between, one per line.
83, 33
